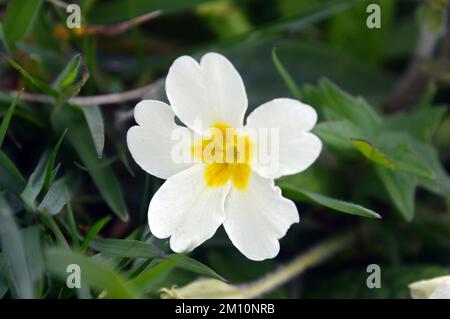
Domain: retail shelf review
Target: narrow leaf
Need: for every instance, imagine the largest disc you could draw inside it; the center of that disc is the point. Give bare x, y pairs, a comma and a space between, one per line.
334, 204
149, 279
7, 119
80, 138
50, 170
95, 229
287, 78
10, 177
14, 252
40, 85
19, 18
124, 248
93, 272
94, 119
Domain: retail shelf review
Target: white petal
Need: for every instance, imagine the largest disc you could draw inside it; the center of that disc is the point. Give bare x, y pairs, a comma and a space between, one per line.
151, 143
297, 147
186, 209
206, 93
442, 291
257, 217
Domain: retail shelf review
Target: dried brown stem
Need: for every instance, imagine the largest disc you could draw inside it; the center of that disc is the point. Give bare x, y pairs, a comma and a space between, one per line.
112, 30
114, 98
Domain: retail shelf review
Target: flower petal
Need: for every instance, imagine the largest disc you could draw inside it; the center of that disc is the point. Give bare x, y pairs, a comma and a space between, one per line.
296, 148
186, 209
153, 141
204, 94
257, 217
442, 291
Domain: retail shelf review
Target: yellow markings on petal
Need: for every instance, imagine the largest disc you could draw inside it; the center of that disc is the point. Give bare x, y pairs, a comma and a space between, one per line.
217, 174
240, 175
227, 155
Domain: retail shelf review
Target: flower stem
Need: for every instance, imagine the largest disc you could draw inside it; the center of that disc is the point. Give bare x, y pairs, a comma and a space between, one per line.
301, 263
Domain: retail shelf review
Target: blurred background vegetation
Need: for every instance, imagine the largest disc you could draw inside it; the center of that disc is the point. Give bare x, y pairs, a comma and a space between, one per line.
70, 192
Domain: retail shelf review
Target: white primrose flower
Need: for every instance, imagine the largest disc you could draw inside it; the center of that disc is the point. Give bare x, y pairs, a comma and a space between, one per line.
434, 288
227, 177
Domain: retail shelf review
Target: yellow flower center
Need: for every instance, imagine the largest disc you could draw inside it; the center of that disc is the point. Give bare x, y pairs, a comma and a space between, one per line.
227, 155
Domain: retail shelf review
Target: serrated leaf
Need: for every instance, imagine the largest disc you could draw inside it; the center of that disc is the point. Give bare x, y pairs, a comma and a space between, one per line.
422, 123
407, 160
401, 189
373, 154
337, 105
334, 204
338, 134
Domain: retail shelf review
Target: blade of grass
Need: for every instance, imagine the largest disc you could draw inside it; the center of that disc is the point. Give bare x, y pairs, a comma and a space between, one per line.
7, 119
49, 172
95, 229
287, 78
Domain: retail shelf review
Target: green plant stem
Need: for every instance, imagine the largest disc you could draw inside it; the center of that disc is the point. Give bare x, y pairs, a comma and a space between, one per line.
301, 263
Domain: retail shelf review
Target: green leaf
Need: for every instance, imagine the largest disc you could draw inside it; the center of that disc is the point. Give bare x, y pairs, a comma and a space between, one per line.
72, 79
14, 252
337, 105
50, 223
149, 279
338, 134
334, 204
401, 189
372, 153
440, 184
288, 80
19, 18
199, 268
79, 137
407, 160
7, 119
95, 229
75, 235
35, 183
69, 74
33, 253
3, 271
10, 177
40, 85
59, 194
422, 123
124, 248
93, 272
50, 170
94, 119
